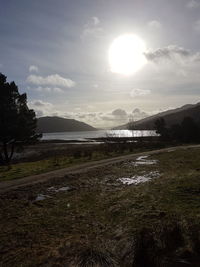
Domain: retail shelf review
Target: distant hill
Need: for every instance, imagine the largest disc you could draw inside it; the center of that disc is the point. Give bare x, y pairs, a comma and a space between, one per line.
56, 124
172, 116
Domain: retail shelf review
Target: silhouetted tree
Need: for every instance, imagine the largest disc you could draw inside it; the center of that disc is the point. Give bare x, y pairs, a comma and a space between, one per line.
186, 132
175, 132
190, 130
17, 122
160, 127
131, 125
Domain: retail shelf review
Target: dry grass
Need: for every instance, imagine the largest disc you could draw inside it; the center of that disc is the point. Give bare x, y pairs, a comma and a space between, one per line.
104, 223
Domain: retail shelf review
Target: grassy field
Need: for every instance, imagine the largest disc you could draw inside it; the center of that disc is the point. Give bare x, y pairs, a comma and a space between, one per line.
51, 162
19, 170
103, 221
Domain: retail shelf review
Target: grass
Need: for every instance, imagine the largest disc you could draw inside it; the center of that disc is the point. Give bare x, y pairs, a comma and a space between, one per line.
24, 169
20, 170
104, 222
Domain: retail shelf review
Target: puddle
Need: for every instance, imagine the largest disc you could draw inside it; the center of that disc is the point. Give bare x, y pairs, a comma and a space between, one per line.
138, 179
61, 189
50, 190
41, 197
142, 160
146, 162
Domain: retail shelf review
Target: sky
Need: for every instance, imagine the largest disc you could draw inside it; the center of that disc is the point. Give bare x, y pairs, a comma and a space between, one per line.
58, 53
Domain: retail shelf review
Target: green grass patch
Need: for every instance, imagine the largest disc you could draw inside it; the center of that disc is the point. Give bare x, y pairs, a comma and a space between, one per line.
20, 170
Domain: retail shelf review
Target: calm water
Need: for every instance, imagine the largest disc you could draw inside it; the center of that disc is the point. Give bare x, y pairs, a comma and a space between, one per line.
82, 136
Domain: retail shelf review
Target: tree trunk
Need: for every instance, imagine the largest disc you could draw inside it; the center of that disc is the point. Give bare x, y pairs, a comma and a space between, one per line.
12, 151
1, 159
5, 151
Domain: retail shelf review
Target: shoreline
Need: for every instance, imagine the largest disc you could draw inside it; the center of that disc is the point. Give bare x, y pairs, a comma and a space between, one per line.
101, 140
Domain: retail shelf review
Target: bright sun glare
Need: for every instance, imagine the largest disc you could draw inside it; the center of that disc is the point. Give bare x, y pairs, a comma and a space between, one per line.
126, 54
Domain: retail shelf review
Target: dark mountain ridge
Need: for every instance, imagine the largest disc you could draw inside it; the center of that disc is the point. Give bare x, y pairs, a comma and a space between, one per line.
171, 117
57, 124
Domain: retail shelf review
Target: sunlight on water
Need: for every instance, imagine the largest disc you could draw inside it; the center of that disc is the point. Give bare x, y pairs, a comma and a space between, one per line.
138, 179
83, 136
61, 189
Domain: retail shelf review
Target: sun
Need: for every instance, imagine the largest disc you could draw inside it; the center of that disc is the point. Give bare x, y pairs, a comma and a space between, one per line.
126, 54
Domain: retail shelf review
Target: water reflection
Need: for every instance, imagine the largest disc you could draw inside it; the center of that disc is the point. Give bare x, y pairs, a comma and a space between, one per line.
83, 136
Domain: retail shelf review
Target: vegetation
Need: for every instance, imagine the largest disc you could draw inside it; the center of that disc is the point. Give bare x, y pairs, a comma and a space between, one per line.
23, 169
17, 121
186, 132
101, 221
61, 158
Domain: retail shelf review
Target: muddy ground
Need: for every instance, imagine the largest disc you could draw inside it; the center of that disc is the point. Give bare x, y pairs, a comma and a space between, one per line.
122, 214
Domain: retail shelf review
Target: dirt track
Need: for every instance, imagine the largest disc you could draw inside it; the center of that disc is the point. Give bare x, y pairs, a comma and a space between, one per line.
84, 167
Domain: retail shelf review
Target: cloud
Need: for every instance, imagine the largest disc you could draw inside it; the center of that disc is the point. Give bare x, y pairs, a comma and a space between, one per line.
101, 119
139, 92
119, 112
97, 119
154, 24
96, 20
169, 52
40, 103
193, 4
197, 26
48, 89
33, 68
53, 80
92, 29
41, 108
137, 114
115, 118
173, 70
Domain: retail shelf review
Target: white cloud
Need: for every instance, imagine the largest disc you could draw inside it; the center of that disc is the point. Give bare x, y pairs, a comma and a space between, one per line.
53, 80
137, 114
92, 29
41, 108
48, 89
42, 89
100, 119
139, 92
197, 26
40, 103
193, 4
116, 117
57, 90
154, 24
96, 119
33, 68
173, 68
96, 20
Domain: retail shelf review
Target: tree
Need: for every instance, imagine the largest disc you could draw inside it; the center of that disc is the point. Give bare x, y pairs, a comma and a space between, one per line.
175, 132
131, 124
160, 127
190, 130
17, 122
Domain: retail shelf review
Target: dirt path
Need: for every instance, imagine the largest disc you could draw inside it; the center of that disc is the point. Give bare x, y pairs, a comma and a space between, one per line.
84, 167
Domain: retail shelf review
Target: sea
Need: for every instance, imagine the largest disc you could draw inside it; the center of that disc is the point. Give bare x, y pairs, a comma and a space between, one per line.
85, 135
